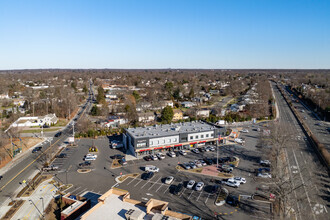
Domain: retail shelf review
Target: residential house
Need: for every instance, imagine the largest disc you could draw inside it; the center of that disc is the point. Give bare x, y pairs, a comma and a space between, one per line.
177, 115
188, 104
146, 117
203, 113
35, 121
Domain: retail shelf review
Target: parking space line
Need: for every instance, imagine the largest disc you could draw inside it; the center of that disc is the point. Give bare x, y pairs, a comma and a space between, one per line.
75, 189
131, 181
146, 183
183, 192
137, 183
207, 197
167, 188
155, 183
160, 187
191, 194
199, 196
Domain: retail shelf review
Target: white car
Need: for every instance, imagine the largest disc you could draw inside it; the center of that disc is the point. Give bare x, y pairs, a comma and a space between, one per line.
245, 131
160, 156
265, 175
190, 184
202, 162
198, 163
154, 157
91, 155
151, 168
89, 158
212, 148
171, 154
169, 179
241, 180
183, 152
232, 183
265, 163
196, 151
199, 186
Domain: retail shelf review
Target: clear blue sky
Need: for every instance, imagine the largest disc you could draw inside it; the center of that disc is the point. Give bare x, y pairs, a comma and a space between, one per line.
164, 34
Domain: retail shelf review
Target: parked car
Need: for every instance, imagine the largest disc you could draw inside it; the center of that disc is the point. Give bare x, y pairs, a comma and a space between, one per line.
169, 180
265, 175
50, 168
36, 149
199, 186
151, 168
210, 148
186, 166
198, 163
160, 156
45, 126
202, 162
183, 152
241, 180
192, 165
208, 161
154, 157
117, 156
116, 144
206, 149
171, 154
226, 168
190, 184
122, 161
147, 158
178, 189
232, 183
148, 175
245, 131
89, 158
232, 200
214, 189
196, 151
85, 164
265, 163
61, 155
92, 155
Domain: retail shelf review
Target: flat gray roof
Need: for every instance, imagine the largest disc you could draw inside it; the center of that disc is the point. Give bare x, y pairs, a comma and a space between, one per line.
170, 129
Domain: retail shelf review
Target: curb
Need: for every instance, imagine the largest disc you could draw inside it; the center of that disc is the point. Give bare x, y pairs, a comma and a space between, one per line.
84, 170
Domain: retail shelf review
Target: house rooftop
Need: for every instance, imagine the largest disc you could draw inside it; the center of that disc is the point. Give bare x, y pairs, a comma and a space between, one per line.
170, 129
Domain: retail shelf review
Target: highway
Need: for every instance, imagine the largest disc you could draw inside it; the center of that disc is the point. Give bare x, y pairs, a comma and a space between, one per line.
33, 162
317, 126
307, 174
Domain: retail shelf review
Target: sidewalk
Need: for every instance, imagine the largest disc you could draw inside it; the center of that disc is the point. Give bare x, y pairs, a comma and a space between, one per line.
40, 199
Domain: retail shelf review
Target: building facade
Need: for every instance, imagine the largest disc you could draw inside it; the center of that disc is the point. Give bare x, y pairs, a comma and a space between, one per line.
186, 135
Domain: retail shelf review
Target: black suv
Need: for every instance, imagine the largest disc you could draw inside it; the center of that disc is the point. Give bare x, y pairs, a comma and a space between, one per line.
58, 134
36, 149
146, 176
61, 155
178, 189
85, 164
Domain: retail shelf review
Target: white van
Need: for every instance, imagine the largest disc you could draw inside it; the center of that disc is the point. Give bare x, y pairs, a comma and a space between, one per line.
151, 168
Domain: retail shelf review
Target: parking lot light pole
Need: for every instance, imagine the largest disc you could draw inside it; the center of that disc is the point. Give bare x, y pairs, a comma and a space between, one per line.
36, 208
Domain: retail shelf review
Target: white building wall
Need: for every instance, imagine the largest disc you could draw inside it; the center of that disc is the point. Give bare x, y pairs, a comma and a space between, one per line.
200, 136
164, 141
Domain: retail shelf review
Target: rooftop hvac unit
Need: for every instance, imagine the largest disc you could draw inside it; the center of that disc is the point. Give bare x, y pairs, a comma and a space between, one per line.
134, 215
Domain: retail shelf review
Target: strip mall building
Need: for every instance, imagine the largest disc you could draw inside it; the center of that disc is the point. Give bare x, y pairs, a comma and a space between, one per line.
157, 138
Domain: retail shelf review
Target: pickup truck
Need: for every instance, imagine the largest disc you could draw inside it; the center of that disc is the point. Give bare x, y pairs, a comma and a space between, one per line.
50, 168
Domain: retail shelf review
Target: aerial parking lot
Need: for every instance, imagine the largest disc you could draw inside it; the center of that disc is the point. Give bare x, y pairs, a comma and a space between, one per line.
199, 202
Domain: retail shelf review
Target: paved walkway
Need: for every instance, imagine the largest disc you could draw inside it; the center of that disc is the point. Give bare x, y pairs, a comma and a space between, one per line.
37, 202
210, 170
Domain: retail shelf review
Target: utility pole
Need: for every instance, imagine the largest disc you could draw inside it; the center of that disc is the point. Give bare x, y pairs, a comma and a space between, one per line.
33, 108
37, 208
